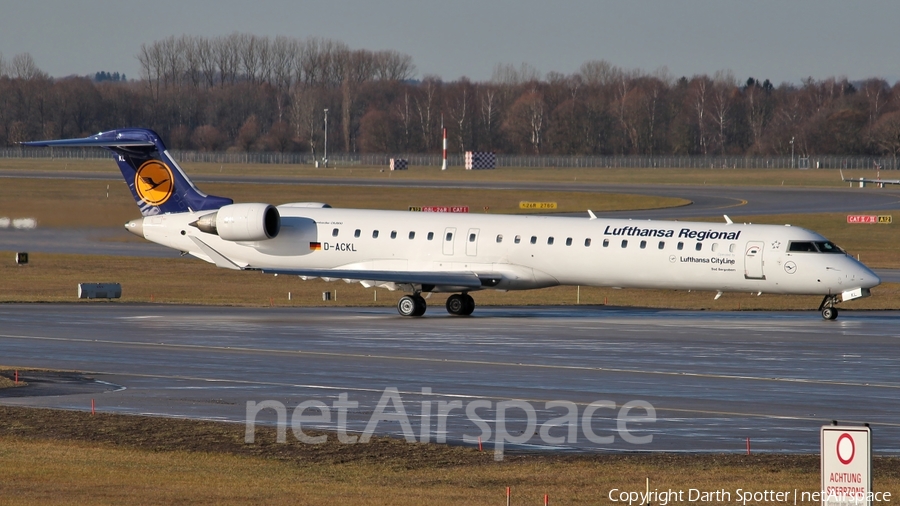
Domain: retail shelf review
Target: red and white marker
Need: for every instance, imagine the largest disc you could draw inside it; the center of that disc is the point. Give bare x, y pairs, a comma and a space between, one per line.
444, 164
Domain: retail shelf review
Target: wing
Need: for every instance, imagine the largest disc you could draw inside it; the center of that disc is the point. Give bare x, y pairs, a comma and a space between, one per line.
460, 279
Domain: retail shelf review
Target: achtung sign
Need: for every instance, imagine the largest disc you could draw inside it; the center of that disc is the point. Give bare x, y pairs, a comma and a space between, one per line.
846, 454
537, 205
868, 218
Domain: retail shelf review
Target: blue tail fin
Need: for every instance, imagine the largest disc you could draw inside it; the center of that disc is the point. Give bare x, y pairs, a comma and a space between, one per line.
156, 181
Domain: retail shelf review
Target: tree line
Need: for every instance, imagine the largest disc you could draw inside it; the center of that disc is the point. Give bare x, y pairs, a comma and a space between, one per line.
243, 92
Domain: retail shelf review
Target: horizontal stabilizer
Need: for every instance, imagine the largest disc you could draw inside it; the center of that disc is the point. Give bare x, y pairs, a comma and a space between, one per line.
88, 142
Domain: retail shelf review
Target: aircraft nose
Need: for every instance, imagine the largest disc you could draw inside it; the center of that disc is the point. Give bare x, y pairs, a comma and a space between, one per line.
136, 227
869, 279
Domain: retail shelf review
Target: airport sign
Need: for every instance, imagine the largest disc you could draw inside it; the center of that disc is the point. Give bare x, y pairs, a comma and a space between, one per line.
537, 205
846, 454
869, 218
440, 209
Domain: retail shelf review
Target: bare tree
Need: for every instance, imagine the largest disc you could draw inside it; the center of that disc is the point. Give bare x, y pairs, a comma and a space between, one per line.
23, 67
393, 66
207, 58
701, 88
193, 66
227, 56
426, 106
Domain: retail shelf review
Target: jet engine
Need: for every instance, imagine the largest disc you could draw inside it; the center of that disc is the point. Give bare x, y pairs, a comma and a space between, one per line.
242, 222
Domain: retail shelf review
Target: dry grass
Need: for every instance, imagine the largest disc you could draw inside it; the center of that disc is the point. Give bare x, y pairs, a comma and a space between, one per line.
74, 458
78, 203
709, 176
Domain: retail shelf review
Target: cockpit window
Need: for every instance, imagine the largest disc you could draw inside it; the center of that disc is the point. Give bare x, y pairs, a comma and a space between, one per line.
828, 247
802, 246
814, 247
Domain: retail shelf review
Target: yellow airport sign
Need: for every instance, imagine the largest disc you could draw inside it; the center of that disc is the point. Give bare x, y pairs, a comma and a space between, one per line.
537, 205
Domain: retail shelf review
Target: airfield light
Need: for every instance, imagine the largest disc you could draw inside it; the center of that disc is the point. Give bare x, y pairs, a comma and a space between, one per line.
325, 157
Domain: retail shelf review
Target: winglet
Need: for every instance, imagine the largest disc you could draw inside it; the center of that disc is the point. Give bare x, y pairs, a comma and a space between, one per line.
592, 215
727, 219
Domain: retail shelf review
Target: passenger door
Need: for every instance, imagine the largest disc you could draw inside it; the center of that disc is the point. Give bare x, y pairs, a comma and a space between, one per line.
753, 260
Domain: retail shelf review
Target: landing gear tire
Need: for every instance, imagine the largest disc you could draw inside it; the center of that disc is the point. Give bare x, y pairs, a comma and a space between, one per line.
411, 305
460, 304
829, 312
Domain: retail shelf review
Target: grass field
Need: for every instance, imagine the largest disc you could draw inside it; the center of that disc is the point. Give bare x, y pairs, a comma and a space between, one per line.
729, 177
74, 458
65, 203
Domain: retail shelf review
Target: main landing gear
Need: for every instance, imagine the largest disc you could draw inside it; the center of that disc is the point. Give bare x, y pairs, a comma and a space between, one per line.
459, 304
411, 305
829, 312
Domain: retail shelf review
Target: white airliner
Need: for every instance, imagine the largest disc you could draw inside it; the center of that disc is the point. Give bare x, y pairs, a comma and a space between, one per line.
463, 253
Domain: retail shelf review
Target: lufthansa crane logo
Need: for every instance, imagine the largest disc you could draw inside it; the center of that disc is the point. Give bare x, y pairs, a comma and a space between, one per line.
153, 182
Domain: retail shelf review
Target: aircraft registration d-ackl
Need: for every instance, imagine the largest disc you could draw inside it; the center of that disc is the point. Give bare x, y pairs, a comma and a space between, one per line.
463, 253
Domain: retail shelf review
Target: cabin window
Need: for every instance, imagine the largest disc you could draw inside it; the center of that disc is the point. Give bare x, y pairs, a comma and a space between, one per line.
699, 246
449, 236
534, 239
374, 234
605, 243
471, 237
334, 233
624, 243
393, 234
430, 235
518, 239
643, 244
357, 232
715, 246
731, 248
499, 238
549, 240
662, 244
587, 242
569, 241
412, 235
680, 246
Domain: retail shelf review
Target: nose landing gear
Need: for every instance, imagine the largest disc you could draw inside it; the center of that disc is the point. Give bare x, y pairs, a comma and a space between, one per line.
829, 312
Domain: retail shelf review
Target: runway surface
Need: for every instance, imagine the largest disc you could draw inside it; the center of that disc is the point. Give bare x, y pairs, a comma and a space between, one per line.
714, 379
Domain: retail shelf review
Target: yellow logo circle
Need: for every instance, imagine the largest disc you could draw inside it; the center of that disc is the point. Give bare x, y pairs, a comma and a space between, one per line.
153, 182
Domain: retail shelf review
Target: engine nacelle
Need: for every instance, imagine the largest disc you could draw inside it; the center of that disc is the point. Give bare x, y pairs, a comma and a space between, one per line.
242, 222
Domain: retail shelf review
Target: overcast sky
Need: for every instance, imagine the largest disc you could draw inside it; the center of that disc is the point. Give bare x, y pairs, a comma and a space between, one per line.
777, 40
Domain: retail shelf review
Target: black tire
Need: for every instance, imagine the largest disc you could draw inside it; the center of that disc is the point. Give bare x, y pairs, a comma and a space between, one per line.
456, 304
830, 313
407, 306
421, 306
469, 304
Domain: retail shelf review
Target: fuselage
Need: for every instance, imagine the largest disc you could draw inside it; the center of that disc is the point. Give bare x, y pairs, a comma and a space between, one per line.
538, 251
